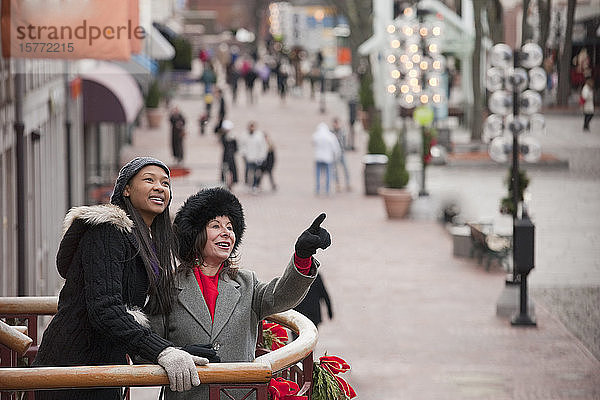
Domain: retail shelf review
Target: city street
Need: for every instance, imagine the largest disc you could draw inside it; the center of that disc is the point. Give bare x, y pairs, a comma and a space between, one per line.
413, 321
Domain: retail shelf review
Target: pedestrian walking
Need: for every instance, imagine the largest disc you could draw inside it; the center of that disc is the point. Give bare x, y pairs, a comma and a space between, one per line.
310, 306
177, 121
349, 92
269, 163
116, 259
232, 77
283, 71
264, 73
341, 136
587, 97
254, 151
228, 166
219, 303
222, 111
326, 152
208, 79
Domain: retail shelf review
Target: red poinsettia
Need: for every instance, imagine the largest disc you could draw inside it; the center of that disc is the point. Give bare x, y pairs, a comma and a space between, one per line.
282, 389
336, 365
275, 336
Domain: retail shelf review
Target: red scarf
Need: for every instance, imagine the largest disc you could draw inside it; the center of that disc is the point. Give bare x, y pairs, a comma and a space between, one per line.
209, 286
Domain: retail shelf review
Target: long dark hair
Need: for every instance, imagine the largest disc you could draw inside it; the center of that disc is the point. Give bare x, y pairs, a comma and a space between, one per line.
157, 250
229, 265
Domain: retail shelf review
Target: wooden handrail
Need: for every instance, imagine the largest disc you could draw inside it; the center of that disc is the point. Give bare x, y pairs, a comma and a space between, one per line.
296, 350
261, 370
47, 305
13, 339
124, 375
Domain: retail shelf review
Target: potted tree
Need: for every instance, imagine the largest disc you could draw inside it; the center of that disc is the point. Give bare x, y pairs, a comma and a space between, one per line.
375, 160
396, 198
152, 102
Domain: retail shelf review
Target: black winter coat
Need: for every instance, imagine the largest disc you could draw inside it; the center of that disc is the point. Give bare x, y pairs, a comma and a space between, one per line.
99, 305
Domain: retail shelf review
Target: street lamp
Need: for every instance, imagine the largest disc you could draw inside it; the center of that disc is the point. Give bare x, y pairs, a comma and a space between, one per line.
514, 80
415, 67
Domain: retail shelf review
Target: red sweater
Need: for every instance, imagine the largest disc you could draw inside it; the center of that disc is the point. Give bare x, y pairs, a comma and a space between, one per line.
209, 285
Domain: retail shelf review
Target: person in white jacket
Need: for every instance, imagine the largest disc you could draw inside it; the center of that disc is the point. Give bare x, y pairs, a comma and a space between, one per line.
254, 151
587, 94
326, 152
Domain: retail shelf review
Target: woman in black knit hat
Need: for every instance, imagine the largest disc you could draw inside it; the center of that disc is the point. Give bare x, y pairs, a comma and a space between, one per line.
116, 259
218, 303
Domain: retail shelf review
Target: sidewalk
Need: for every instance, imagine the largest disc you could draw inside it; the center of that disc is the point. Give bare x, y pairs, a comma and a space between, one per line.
413, 321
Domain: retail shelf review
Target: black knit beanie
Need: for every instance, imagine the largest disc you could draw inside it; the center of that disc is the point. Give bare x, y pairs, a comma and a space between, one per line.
197, 211
128, 171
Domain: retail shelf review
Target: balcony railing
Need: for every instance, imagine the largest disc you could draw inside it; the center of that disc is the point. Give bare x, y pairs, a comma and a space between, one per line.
18, 347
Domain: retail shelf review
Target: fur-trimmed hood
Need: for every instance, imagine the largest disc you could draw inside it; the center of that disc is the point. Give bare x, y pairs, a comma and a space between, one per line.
78, 220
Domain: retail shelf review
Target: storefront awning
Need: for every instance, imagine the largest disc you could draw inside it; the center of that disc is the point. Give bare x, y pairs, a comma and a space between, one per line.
157, 47
110, 94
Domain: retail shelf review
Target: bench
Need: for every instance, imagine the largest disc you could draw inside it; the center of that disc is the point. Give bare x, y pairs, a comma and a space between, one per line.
489, 247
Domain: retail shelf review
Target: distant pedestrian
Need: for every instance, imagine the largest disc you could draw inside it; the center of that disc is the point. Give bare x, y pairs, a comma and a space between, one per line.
222, 110
177, 134
310, 307
341, 136
326, 152
269, 163
587, 96
264, 73
254, 152
349, 92
228, 166
232, 76
208, 78
283, 71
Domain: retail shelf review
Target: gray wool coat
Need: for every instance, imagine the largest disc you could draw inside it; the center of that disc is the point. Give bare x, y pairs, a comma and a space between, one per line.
242, 303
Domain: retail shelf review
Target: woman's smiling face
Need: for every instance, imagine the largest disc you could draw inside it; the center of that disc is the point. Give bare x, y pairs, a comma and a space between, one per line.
149, 192
220, 239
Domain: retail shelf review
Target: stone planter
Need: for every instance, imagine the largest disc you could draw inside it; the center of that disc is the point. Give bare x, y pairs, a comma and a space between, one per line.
397, 201
154, 116
375, 165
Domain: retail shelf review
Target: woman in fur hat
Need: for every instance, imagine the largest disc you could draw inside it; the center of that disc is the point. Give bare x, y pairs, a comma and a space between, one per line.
116, 259
218, 303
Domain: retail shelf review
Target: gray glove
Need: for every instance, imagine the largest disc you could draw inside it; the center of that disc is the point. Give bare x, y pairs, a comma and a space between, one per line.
181, 368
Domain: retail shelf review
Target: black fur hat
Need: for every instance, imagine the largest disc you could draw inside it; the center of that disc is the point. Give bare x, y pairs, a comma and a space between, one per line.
198, 210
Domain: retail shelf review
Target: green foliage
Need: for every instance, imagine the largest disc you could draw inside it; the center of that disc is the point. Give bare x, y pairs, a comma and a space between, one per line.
376, 144
325, 387
507, 205
153, 96
365, 92
396, 175
183, 54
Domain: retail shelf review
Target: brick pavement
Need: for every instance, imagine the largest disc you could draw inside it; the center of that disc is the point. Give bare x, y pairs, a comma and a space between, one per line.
414, 322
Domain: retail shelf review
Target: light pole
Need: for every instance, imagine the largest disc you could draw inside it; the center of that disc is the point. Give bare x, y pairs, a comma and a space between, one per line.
514, 79
415, 69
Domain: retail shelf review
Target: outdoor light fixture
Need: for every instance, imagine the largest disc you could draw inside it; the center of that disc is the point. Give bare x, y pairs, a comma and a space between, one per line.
514, 80
415, 65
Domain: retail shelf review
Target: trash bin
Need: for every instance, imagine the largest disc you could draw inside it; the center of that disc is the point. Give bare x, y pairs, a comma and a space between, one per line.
461, 239
374, 170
